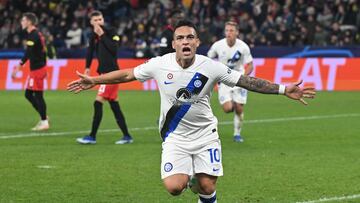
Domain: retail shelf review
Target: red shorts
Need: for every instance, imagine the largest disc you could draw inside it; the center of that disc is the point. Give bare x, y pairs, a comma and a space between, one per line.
35, 80
109, 92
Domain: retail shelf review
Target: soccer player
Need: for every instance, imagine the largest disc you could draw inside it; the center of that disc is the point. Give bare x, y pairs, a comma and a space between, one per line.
167, 34
36, 54
188, 127
235, 54
104, 41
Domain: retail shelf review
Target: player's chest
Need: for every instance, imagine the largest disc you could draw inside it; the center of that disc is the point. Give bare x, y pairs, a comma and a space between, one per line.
230, 55
174, 82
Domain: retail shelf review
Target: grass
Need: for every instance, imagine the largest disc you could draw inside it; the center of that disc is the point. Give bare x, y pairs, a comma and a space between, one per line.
280, 161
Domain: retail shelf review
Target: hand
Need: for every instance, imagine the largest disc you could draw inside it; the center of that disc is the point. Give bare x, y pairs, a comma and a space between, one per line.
84, 83
293, 91
98, 30
87, 72
15, 71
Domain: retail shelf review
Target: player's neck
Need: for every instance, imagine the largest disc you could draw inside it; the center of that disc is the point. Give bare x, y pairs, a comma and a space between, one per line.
185, 63
230, 43
30, 28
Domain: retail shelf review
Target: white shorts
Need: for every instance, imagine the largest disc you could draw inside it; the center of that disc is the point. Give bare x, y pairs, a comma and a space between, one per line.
189, 159
235, 94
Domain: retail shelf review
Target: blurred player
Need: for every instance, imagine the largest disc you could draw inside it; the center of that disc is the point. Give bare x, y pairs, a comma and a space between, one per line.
35, 52
104, 41
236, 55
188, 127
167, 35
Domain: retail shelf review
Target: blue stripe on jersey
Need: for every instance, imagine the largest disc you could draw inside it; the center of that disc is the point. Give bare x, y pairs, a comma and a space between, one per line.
177, 118
177, 112
236, 57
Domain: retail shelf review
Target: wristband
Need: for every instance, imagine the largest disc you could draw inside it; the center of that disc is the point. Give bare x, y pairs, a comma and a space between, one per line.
282, 89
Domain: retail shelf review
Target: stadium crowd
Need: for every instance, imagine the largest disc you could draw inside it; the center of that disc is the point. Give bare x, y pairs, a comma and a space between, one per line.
140, 23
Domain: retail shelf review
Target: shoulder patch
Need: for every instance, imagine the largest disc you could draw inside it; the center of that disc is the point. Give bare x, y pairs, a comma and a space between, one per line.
163, 40
30, 43
116, 38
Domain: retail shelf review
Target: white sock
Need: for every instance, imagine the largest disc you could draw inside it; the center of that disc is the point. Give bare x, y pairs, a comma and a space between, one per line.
207, 198
238, 122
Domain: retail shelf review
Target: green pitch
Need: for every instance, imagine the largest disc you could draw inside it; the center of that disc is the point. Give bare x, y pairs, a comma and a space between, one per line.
291, 152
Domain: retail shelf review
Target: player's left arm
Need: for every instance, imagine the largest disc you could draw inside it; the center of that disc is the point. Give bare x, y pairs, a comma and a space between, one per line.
248, 59
293, 91
249, 68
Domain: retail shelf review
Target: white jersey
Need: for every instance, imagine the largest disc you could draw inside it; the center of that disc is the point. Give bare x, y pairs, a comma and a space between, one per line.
185, 114
234, 57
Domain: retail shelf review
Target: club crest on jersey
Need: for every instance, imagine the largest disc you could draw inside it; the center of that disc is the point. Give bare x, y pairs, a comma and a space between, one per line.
168, 167
197, 83
170, 76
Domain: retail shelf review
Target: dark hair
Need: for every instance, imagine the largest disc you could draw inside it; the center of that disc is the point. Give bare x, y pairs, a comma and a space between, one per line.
31, 17
186, 23
175, 12
95, 13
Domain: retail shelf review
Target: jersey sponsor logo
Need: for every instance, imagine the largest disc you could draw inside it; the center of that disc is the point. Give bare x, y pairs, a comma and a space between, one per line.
168, 167
216, 169
30, 43
183, 95
168, 83
170, 76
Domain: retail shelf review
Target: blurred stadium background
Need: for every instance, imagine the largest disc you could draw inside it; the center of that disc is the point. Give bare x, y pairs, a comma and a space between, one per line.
291, 153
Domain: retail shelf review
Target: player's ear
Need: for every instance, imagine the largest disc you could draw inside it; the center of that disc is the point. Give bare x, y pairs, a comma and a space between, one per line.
173, 44
198, 42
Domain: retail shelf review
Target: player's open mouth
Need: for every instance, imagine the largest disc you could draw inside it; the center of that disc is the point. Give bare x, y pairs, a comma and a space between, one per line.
186, 50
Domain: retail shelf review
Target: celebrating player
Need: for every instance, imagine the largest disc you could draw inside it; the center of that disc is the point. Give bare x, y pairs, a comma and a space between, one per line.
35, 52
105, 41
188, 127
236, 55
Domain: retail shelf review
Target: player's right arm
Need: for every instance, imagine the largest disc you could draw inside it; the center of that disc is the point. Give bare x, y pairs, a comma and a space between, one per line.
86, 82
142, 72
89, 55
30, 42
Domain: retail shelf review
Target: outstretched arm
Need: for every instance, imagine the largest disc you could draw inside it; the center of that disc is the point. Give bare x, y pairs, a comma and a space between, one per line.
292, 91
86, 82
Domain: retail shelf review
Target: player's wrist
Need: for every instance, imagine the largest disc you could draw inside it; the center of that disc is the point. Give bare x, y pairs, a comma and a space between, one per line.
282, 89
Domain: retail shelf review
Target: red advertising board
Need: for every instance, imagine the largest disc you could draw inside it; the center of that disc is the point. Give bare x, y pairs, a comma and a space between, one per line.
326, 74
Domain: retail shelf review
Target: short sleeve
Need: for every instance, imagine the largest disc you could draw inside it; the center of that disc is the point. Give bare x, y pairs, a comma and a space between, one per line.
226, 75
212, 52
146, 71
247, 55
